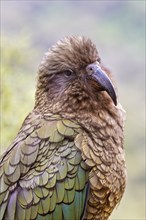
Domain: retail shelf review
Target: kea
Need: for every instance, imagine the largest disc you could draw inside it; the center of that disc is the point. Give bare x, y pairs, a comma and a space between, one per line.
67, 161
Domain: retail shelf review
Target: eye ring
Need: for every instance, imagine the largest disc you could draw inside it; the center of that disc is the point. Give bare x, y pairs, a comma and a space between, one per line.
68, 73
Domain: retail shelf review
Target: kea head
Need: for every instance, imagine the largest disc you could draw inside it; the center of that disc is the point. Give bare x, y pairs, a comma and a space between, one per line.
71, 78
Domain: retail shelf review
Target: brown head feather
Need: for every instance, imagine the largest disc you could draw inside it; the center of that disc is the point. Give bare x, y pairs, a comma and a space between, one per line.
58, 94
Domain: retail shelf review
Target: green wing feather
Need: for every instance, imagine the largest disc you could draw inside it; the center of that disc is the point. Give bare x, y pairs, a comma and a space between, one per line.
42, 174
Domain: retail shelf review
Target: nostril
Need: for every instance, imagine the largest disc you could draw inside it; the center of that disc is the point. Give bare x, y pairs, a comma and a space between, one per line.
90, 70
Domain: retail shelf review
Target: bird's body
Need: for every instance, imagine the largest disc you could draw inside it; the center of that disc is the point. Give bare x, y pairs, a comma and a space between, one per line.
67, 161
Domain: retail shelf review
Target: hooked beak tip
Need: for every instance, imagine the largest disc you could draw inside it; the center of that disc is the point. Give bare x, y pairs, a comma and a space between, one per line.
101, 77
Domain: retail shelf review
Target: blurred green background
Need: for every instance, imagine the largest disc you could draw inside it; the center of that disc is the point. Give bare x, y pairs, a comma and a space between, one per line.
28, 28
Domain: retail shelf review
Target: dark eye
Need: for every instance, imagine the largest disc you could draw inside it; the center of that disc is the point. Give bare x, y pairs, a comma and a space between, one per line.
68, 73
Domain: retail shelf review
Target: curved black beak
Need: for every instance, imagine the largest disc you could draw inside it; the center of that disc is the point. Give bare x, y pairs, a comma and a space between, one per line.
101, 77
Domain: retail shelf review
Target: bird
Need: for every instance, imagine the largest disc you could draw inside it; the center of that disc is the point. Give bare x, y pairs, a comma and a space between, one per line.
67, 161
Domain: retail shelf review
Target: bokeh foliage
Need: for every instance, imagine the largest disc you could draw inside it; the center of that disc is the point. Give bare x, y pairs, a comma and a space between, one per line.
17, 86
118, 29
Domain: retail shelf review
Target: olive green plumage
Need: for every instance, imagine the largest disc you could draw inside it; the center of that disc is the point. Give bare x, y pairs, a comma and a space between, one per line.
45, 171
67, 161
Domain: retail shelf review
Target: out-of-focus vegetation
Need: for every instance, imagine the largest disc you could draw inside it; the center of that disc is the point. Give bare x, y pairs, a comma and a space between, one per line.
118, 29
16, 67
